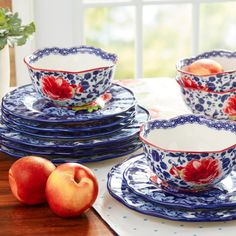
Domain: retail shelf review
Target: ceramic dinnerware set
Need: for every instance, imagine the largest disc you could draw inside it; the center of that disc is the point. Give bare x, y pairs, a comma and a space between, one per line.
72, 112
187, 169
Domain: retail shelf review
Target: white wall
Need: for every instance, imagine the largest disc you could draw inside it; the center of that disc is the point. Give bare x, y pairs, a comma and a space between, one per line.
25, 10
58, 23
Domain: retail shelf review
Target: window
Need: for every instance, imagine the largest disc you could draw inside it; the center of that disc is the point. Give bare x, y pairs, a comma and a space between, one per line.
151, 35
148, 36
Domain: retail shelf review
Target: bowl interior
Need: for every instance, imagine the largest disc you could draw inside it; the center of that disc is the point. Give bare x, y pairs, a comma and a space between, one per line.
75, 59
226, 58
78, 62
192, 138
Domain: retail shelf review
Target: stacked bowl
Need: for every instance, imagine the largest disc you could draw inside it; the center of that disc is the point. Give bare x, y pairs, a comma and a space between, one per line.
210, 92
187, 169
72, 112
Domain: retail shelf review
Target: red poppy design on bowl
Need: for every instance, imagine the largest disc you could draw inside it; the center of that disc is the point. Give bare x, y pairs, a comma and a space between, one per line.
230, 106
202, 171
58, 88
188, 83
77, 88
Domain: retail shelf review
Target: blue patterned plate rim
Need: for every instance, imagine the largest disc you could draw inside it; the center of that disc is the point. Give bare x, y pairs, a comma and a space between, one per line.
133, 123
24, 102
76, 160
118, 189
69, 135
54, 128
68, 152
137, 178
125, 134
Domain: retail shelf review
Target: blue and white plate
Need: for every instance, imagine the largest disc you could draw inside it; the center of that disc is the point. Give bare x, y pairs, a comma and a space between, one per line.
24, 102
71, 127
124, 135
119, 190
137, 177
141, 116
58, 159
70, 151
67, 134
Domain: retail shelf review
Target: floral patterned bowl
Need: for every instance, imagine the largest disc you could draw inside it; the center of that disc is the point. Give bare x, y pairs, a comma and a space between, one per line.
218, 82
189, 152
217, 105
71, 76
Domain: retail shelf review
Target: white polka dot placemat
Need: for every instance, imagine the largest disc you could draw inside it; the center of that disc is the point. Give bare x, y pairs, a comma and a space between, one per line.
125, 221
162, 96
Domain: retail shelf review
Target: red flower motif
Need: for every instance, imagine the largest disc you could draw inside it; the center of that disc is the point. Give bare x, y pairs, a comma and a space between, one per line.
106, 96
202, 171
188, 83
78, 88
230, 106
57, 88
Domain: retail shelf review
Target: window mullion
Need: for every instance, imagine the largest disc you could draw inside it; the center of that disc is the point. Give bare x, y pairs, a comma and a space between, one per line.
195, 27
138, 39
79, 34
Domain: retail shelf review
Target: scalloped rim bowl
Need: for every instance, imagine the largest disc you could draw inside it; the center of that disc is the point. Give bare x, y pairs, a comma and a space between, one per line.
71, 76
83, 58
189, 133
223, 81
189, 152
226, 58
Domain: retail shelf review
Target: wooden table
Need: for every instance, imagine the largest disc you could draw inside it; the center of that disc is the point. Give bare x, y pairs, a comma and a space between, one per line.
17, 219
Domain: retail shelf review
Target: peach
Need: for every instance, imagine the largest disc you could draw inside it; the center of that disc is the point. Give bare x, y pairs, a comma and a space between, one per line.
27, 178
204, 67
71, 189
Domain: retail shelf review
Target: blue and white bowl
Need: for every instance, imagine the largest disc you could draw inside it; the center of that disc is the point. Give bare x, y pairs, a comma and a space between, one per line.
218, 82
71, 76
189, 152
217, 105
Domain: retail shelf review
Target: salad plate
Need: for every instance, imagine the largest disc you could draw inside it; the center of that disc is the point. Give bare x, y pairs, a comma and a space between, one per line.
24, 102
82, 159
120, 191
137, 177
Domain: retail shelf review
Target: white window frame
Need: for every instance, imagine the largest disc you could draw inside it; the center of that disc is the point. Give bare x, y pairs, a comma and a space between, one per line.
27, 9
139, 4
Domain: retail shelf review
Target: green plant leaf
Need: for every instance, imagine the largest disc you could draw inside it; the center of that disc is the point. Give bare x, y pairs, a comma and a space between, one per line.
3, 42
12, 30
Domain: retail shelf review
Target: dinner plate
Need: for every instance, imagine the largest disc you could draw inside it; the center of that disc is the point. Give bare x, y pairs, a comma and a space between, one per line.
24, 102
134, 123
67, 134
138, 179
82, 159
74, 127
120, 191
70, 151
124, 134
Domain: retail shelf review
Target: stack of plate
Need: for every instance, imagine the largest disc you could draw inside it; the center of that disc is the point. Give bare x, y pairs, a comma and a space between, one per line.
133, 184
31, 125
